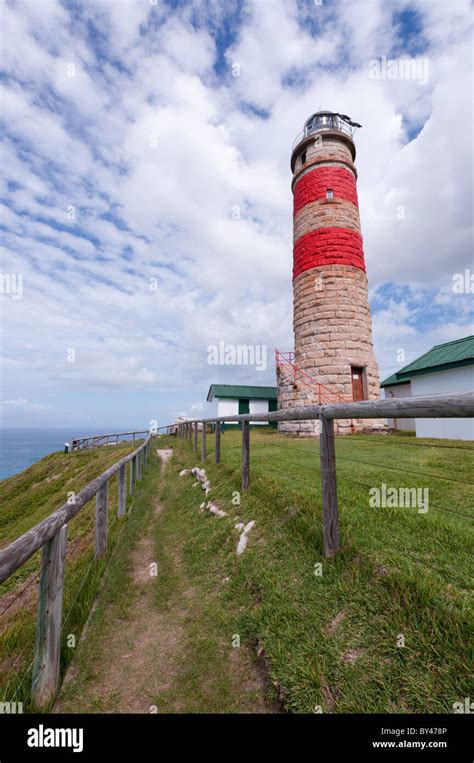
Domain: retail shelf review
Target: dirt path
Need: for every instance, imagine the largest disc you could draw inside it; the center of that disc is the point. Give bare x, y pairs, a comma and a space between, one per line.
134, 663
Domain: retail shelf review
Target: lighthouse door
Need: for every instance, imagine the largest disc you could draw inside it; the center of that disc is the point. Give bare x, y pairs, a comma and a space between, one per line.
357, 383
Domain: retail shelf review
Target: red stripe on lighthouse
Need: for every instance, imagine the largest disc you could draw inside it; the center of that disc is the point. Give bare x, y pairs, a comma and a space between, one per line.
328, 246
313, 186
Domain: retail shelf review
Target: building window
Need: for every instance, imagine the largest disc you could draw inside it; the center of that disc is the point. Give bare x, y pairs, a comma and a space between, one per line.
303, 157
329, 193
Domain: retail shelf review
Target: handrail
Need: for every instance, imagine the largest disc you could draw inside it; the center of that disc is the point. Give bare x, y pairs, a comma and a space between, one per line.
79, 443
287, 359
20, 550
305, 132
111, 434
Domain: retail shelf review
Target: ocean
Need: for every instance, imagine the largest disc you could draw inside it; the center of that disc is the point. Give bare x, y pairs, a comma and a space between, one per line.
20, 448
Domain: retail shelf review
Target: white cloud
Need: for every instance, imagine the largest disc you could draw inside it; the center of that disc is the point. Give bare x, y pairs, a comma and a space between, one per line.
173, 177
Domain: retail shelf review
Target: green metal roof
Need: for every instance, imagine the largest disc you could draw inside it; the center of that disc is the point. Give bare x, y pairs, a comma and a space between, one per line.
241, 391
392, 380
441, 357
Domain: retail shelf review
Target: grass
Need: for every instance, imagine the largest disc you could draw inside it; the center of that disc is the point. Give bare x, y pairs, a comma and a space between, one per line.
115, 592
190, 653
330, 641
26, 499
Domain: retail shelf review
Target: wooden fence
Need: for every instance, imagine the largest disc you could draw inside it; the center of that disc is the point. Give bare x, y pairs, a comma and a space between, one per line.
434, 406
50, 536
97, 441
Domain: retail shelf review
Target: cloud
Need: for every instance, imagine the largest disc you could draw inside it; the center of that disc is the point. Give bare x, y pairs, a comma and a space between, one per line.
147, 197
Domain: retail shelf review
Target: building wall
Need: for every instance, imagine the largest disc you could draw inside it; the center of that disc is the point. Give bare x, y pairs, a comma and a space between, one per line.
227, 407
230, 407
448, 382
400, 390
258, 406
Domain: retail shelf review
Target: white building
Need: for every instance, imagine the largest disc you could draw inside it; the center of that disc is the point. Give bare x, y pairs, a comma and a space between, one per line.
233, 399
445, 370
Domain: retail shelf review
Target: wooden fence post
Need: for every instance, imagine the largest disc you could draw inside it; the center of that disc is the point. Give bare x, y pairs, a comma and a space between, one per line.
133, 475
101, 521
218, 442
139, 466
48, 620
327, 451
203, 442
122, 491
190, 433
245, 455
133, 438
195, 436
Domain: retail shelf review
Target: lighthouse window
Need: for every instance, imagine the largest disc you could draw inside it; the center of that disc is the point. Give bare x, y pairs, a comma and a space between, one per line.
329, 193
303, 157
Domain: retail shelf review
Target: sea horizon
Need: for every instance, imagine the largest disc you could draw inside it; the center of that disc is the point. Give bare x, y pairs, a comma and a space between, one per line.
21, 447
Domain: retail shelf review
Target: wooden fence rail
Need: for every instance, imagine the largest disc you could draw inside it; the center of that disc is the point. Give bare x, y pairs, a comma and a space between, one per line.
97, 441
432, 406
50, 536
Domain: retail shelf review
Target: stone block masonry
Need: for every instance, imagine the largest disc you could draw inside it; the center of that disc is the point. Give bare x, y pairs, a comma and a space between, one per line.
331, 314
327, 246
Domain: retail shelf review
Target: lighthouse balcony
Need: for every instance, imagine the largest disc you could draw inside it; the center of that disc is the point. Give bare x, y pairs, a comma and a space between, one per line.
326, 121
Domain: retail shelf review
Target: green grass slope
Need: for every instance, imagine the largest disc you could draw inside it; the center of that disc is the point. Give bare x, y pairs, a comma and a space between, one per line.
334, 642
26, 499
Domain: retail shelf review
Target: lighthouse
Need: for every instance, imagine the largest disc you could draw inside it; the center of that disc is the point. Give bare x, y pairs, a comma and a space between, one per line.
333, 359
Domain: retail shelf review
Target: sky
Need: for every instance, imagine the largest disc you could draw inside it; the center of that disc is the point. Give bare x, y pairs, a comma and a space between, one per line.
146, 209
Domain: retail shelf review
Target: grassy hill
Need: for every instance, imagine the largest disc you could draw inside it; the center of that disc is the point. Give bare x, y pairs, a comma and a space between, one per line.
26, 499
332, 641
386, 626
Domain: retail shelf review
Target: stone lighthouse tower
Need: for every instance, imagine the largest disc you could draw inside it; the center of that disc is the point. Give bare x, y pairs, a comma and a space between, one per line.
333, 359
